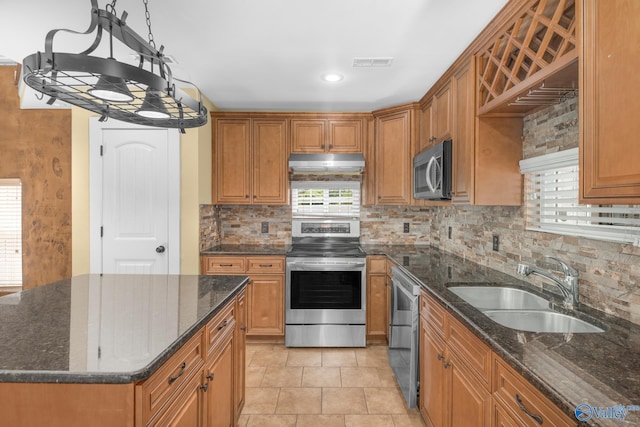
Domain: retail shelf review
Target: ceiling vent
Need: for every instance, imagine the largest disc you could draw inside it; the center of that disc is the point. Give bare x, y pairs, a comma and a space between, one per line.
381, 61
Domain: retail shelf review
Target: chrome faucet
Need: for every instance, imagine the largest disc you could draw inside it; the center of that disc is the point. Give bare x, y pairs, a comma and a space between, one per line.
568, 285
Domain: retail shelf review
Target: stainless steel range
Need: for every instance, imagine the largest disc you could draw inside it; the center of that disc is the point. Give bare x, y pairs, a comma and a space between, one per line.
325, 284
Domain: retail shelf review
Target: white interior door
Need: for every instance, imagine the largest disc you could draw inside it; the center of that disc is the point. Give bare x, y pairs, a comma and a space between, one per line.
135, 199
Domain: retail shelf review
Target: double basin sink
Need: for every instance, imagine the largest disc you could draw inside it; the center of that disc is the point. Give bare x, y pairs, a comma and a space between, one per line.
522, 310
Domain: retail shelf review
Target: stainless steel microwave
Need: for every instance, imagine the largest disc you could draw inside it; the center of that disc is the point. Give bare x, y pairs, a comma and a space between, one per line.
432, 172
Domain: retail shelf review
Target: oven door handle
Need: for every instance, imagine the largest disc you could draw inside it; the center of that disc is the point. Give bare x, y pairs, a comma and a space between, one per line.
302, 266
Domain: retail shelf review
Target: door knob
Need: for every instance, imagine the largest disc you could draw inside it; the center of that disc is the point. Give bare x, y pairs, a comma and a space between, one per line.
160, 249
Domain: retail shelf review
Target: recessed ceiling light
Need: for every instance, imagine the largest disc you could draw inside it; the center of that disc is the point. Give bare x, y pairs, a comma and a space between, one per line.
332, 77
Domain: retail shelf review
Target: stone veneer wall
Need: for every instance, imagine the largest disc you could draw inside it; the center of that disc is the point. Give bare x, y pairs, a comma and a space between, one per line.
609, 272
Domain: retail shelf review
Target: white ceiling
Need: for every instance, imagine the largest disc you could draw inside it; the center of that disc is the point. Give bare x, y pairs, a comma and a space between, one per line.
270, 54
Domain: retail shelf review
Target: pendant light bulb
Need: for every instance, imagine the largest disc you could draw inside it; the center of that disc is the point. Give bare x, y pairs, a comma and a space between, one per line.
111, 88
153, 106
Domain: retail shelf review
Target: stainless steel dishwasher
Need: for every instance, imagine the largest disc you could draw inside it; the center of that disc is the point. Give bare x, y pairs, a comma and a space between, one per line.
403, 333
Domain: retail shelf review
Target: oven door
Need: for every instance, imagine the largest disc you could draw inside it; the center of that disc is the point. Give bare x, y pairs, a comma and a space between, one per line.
325, 291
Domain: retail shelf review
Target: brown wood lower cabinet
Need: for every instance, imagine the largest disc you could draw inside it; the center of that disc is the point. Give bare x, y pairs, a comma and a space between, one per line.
240, 359
265, 292
377, 299
452, 392
199, 385
219, 374
463, 383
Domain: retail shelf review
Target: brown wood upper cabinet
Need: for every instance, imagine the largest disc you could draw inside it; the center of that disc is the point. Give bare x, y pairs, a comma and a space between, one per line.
486, 151
436, 118
394, 133
250, 160
327, 135
609, 102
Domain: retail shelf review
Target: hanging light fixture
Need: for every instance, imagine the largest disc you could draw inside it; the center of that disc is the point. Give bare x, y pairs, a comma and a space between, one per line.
153, 106
145, 94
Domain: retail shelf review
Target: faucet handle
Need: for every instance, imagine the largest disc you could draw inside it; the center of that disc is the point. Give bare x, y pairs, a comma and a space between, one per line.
566, 268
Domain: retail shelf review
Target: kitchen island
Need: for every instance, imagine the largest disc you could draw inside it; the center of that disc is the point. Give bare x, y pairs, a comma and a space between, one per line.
83, 351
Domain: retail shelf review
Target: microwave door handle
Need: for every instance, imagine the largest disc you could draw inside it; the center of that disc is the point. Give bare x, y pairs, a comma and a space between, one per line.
428, 174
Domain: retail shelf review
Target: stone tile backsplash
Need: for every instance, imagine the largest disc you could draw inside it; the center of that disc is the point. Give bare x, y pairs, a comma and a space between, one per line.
609, 272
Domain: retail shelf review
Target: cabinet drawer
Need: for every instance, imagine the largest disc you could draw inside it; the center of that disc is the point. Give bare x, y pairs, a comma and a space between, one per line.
154, 393
265, 265
433, 312
224, 264
218, 327
376, 265
475, 354
525, 402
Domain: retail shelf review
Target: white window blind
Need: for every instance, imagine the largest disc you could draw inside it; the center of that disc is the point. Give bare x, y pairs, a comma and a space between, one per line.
551, 203
332, 198
10, 232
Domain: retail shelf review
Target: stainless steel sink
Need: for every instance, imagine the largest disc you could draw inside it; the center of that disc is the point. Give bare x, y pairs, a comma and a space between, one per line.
541, 321
521, 310
499, 298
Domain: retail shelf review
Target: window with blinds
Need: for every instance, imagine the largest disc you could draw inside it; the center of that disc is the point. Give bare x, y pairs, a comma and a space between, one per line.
332, 198
10, 232
551, 203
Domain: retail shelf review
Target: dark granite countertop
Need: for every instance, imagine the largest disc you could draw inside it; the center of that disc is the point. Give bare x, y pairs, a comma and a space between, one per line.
600, 369
246, 250
105, 329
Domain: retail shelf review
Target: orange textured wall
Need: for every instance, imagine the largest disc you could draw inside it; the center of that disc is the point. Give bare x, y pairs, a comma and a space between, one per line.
35, 146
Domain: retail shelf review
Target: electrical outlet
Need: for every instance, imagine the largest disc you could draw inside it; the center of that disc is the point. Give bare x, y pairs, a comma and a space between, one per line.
496, 243
406, 227
449, 232
265, 227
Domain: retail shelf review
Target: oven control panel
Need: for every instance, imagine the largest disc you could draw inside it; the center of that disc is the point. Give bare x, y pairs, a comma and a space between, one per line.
322, 228
317, 227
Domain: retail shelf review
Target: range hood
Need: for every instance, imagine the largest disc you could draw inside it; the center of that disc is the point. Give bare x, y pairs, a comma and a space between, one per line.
336, 163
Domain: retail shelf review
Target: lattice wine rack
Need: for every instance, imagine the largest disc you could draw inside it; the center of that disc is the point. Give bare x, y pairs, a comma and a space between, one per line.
542, 35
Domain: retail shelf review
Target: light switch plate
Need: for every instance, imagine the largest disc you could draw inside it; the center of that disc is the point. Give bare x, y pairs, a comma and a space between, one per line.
264, 227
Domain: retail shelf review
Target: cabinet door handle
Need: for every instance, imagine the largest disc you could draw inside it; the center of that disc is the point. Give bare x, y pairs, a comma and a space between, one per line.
210, 377
246, 196
446, 364
440, 356
244, 328
535, 417
330, 146
322, 146
204, 387
183, 367
223, 324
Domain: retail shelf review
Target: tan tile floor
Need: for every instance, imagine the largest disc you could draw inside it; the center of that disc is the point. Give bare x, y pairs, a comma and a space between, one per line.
302, 387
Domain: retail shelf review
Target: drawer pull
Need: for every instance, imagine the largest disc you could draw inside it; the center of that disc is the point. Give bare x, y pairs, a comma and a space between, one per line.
183, 367
536, 418
223, 324
226, 265
266, 265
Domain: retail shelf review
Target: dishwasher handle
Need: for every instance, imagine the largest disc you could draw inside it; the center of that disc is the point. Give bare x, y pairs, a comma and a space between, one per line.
405, 283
